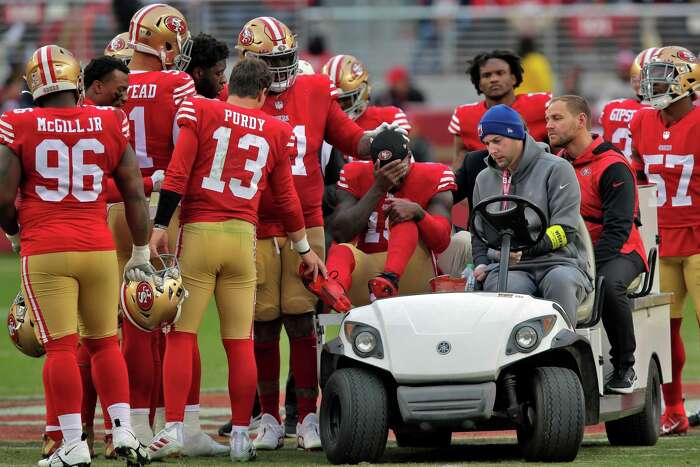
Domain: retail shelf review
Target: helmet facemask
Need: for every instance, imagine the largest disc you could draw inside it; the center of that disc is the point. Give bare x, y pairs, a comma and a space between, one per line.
660, 85
353, 103
182, 61
283, 67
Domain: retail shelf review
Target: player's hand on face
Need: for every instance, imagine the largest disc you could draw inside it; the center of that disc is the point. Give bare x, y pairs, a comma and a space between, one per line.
314, 264
389, 176
402, 210
159, 242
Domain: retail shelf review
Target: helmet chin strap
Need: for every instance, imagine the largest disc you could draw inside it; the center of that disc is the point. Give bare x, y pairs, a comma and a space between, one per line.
662, 102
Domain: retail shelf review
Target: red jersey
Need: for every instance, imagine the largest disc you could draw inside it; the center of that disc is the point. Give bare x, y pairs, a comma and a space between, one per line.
66, 156
223, 94
671, 158
152, 101
310, 106
222, 161
424, 180
531, 107
615, 119
374, 116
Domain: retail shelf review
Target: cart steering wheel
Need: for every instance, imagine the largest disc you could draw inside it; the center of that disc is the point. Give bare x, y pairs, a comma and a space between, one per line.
508, 214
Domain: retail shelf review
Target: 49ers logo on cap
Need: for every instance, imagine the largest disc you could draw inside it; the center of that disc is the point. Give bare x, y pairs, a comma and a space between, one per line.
384, 155
144, 296
175, 24
245, 38
117, 44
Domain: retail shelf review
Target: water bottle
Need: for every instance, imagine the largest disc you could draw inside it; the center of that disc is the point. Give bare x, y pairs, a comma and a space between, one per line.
468, 274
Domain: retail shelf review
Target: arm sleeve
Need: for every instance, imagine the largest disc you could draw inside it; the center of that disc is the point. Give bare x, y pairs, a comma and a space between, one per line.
435, 231
617, 194
285, 194
182, 161
341, 131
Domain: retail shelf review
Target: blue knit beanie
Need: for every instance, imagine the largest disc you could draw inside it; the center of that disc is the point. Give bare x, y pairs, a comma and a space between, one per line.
501, 120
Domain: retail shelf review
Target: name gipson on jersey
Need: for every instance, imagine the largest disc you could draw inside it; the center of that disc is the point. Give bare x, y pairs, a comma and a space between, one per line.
58, 125
622, 115
244, 120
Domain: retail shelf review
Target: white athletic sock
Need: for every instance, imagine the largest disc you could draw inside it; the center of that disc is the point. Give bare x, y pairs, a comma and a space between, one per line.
50, 428
178, 430
120, 414
192, 424
159, 420
72, 427
239, 429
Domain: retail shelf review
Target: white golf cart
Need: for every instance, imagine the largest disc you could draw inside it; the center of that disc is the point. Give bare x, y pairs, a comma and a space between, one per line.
426, 366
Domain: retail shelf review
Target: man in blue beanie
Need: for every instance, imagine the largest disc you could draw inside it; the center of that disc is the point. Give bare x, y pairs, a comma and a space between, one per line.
556, 267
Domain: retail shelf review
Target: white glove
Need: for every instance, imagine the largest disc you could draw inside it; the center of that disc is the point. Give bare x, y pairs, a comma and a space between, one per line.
139, 267
388, 126
157, 179
14, 240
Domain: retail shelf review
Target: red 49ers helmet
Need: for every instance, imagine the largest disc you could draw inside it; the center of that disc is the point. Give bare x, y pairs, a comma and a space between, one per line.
155, 303
20, 324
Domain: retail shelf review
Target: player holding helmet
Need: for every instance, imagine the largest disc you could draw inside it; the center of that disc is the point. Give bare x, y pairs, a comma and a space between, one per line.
665, 145
58, 155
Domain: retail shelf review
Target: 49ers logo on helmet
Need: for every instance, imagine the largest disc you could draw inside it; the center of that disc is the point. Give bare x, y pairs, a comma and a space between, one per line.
117, 44
356, 70
175, 24
12, 327
245, 38
686, 56
144, 296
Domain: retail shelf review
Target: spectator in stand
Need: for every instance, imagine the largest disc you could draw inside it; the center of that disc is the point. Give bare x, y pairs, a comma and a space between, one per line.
401, 90
11, 93
537, 74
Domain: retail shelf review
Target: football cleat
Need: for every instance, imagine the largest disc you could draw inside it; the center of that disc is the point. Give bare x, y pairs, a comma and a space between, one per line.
50, 441
330, 291
384, 285
109, 448
166, 444
270, 435
201, 444
242, 448
308, 437
73, 455
673, 424
128, 447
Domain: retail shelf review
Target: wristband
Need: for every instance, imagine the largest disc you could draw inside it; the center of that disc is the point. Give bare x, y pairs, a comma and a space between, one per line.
557, 236
142, 253
160, 226
302, 246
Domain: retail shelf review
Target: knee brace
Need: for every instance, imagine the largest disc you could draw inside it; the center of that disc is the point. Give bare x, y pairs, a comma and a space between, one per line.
299, 326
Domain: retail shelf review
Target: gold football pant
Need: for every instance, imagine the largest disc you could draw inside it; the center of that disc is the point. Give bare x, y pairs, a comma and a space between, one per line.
218, 258
71, 291
280, 289
681, 276
414, 280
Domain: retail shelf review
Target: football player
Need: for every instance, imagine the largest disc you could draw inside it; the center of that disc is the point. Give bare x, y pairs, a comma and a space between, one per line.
57, 155
106, 82
119, 48
208, 65
160, 37
665, 145
388, 205
309, 104
226, 155
496, 75
618, 113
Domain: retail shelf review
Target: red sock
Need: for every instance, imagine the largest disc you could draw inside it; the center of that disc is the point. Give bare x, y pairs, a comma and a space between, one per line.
177, 373
138, 354
193, 396
63, 375
403, 239
157, 397
51, 416
87, 412
673, 391
303, 365
242, 379
267, 360
342, 261
109, 372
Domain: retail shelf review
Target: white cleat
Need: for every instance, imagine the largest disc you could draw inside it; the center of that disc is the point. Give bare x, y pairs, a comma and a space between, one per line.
143, 432
127, 446
254, 423
200, 444
270, 434
74, 455
308, 437
242, 448
165, 444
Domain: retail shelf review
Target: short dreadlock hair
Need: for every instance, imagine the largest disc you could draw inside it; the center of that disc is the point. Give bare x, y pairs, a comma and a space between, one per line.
206, 52
512, 59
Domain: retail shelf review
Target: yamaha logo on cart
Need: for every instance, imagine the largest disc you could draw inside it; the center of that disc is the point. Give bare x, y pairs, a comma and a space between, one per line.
443, 348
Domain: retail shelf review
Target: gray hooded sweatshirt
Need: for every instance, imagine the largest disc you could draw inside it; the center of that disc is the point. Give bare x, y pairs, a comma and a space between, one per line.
550, 183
